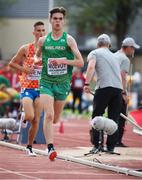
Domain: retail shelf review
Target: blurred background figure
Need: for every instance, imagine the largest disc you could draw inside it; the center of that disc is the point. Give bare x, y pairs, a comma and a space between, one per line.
136, 90
9, 96
127, 51
78, 81
9, 100
136, 81
10, 75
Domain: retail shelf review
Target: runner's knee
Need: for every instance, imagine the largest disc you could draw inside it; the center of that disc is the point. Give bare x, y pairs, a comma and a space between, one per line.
29, 116
49, 117
34, 122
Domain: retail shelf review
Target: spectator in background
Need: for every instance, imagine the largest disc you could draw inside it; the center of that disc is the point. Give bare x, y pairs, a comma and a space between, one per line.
77, 85
7, 73
136, 78
127, 50
11, 75
5, 100
8, 89
4, 80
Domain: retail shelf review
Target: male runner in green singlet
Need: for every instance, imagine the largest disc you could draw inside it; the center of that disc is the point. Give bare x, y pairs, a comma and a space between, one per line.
59, 54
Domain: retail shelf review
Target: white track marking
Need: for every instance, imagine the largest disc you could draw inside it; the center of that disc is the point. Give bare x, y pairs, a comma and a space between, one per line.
18, 174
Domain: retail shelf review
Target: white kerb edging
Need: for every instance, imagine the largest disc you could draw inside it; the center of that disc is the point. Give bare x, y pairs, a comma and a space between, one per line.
79, 160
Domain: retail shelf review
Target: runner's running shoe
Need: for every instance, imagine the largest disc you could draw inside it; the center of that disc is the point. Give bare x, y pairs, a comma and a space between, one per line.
52, 154
30, 152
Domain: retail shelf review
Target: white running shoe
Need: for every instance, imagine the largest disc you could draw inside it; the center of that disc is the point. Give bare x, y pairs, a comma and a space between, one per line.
52, 154
30, 152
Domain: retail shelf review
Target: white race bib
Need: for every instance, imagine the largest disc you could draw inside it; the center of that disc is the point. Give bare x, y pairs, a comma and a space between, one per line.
36, 74
56, 70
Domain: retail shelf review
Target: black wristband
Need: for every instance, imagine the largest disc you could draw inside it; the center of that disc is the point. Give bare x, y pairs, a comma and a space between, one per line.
124, 93
86, 84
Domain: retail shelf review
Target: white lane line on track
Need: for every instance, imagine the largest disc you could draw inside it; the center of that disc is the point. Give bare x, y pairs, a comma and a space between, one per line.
117, 169
19, 174
59, 172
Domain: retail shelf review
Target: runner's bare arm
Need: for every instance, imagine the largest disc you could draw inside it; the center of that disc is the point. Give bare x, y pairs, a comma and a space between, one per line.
78, 61
16, 61
37, 57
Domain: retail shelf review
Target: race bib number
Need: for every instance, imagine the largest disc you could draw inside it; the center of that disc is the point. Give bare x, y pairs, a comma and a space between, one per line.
35, 75
56, 70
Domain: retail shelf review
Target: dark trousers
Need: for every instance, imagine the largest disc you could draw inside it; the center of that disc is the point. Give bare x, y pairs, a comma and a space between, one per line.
121, 122
77, 94
109, 98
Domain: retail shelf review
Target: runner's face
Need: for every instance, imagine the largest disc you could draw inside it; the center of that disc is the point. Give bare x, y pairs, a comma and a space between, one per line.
57, 21
39, 31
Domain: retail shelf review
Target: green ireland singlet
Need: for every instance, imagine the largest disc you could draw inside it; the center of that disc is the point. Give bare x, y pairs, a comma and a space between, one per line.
53, 49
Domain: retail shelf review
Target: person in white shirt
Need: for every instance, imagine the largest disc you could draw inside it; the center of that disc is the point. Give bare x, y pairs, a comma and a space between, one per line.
127, 50
108, 88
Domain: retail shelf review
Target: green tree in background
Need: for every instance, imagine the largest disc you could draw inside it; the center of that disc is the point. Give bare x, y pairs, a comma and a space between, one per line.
97, 16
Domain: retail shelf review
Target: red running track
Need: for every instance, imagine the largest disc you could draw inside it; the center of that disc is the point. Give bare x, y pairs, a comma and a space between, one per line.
14, 164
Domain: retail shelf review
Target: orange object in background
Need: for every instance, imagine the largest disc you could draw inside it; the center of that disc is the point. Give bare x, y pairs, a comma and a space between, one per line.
61, 128
137, 116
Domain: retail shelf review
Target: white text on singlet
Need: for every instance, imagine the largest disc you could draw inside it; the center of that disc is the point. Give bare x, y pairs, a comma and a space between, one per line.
35, 75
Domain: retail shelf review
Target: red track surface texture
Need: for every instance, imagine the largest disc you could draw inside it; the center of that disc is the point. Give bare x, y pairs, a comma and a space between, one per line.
15, 164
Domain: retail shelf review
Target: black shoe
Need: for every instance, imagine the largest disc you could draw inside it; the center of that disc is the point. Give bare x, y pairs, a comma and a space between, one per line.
30, 152
110, 150
120, 145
